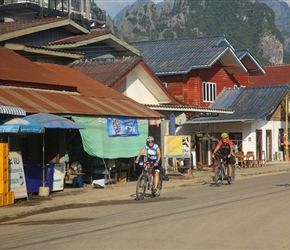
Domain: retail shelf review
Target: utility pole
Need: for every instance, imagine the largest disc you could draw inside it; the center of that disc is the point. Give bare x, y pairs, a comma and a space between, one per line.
287, 114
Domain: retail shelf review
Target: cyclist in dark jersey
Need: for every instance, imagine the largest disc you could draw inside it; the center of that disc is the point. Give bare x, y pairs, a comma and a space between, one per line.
225, 145
153, 158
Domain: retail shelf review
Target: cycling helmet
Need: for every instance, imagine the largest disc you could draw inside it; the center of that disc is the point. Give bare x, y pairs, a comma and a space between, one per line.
224, 135
150, 138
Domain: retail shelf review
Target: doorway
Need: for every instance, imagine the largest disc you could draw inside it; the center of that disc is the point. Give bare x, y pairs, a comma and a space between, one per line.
268, 145
258, 144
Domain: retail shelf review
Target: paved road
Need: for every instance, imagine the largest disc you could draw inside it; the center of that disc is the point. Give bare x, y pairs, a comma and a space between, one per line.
250, 214
122, 191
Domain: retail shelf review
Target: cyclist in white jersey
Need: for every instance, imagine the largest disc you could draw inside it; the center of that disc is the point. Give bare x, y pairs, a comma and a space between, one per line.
153, 158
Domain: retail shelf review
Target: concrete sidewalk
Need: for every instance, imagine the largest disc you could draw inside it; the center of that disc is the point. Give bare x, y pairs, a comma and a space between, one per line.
121, 191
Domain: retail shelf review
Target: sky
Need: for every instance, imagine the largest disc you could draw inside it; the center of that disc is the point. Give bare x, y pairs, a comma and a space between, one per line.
112, 7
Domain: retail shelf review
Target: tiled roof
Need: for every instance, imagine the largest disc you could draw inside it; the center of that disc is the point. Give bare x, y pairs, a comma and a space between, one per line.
63, 90
249, 104
107, 71
111, 71
279, 74
179, 56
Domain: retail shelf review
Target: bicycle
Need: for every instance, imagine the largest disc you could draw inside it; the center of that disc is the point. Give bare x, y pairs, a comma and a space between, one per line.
146, 182
221, 170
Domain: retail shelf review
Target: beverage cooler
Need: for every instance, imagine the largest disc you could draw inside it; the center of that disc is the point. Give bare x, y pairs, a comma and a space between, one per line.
58, 177
53, 176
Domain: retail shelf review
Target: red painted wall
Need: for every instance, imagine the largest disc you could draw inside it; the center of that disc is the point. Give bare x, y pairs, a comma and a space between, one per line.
188, 88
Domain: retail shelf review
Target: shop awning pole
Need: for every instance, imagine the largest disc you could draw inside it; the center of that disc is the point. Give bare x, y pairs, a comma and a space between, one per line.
43, 143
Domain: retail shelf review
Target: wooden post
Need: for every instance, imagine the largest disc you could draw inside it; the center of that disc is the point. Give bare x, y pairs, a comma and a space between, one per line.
287, 113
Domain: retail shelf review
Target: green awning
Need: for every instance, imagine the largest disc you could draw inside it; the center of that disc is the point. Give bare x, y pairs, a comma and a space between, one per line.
96, 141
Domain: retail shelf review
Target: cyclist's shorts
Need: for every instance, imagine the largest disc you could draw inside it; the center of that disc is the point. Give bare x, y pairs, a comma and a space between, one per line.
155, 168
231, 160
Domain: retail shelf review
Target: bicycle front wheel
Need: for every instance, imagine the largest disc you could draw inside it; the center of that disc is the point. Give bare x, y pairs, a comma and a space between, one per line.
218, 176
141, 186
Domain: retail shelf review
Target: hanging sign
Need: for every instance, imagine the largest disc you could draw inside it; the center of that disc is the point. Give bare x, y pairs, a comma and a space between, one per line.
122, 126
16, 175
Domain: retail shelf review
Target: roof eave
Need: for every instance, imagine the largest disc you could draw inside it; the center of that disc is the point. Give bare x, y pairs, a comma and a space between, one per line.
65, 45
43, 51
31, 30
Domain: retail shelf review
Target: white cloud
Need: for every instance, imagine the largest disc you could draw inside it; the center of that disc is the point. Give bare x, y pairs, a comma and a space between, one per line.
112, 7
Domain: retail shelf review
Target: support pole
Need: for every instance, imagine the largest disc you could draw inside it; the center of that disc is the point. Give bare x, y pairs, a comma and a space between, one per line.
287, 114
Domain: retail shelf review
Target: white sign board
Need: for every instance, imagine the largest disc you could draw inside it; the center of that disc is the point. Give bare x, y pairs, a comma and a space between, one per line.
58, 177
16, 175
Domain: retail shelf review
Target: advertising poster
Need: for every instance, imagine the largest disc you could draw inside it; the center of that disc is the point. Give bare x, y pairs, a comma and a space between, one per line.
17, 176
177, 146
122, 126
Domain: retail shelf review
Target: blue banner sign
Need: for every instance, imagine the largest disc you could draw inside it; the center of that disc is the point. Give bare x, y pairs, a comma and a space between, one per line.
122, 126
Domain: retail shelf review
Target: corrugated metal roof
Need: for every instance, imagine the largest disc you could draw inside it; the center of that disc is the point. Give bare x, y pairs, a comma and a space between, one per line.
28, 49
69, 90
249, 104
190, 109
97, 36
80, 38
8, 110
61, 102
250, 63
179, 56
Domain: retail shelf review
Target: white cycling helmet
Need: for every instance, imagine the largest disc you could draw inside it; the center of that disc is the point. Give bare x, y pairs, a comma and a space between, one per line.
150, 138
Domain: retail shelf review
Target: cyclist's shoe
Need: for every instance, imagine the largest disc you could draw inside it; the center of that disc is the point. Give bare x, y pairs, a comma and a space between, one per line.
230, 179
154, 190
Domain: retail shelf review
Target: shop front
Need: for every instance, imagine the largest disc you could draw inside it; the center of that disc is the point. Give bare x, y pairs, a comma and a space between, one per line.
108, 144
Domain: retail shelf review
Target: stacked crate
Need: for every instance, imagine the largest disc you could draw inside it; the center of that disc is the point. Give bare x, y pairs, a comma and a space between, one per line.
6, 197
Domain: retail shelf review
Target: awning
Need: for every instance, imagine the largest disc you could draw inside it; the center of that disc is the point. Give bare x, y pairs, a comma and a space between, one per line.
8, 110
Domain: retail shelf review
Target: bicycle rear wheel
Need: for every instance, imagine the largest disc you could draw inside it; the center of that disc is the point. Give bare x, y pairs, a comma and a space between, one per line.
218, 176
141, 186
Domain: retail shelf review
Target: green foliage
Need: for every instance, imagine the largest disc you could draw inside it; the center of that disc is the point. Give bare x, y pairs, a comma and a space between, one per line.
132, 20
243, 22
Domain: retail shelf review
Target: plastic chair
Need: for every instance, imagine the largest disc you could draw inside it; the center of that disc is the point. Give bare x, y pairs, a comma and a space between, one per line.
250, 159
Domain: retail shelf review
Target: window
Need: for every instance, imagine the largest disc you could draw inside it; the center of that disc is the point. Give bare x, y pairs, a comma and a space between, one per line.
209, 91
